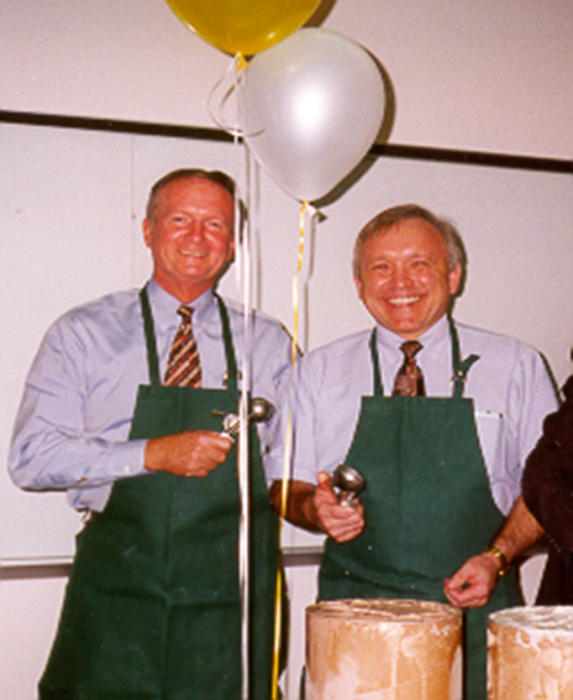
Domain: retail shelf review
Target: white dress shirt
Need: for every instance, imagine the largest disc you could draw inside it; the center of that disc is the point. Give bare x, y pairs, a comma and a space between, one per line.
510, 386
71, 432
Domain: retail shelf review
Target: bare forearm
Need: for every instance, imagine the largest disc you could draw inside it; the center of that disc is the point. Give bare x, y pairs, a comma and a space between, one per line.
520, 531
299, 509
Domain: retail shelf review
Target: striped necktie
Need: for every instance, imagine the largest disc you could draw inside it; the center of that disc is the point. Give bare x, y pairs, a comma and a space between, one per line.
183, 366
409, 380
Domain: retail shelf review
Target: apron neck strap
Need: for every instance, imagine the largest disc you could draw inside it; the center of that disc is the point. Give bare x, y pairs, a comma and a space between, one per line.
378, 386
232, 373
152, 359
460, 367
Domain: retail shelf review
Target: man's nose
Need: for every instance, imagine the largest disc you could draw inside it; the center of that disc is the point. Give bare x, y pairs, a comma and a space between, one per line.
195, 229
401, 277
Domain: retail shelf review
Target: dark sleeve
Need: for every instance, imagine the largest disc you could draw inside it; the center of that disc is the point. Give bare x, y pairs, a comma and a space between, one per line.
548, 475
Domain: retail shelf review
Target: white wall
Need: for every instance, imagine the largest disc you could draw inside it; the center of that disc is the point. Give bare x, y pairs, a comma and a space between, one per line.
492, 75
29, 610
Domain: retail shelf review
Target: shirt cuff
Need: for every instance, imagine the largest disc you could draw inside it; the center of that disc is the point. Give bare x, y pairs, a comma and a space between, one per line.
127, 459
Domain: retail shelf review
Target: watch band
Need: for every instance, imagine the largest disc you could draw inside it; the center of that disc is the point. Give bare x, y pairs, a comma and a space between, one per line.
504, 564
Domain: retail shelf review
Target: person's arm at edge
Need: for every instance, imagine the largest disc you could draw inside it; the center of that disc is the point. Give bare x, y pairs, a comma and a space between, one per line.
547, 480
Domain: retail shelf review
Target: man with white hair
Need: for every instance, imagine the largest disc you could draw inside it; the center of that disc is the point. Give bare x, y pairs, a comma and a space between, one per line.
438, 418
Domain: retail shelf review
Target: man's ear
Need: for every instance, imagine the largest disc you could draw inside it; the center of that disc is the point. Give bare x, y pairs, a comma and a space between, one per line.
231, 248
454, 279
359, 287
146, 227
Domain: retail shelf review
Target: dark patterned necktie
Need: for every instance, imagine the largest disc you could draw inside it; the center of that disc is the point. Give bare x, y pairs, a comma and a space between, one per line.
183, 366
409, 380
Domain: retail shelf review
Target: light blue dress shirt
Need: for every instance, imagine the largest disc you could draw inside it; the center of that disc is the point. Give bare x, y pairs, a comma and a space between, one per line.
510, 386
71, 432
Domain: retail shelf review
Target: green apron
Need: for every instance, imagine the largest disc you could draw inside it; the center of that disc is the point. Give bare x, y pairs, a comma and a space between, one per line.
428, 508
153, 605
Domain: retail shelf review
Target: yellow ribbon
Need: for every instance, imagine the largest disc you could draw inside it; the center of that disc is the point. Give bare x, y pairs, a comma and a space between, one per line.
241, 62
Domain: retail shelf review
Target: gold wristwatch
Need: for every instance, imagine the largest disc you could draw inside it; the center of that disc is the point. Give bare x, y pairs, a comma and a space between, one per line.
504, 564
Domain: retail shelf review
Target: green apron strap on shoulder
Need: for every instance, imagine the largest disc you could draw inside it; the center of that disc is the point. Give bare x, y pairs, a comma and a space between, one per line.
232, 372
378, 386
460, 367
152, 360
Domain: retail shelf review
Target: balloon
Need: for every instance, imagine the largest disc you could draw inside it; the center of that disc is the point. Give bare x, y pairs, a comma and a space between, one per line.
309, 109
243, 26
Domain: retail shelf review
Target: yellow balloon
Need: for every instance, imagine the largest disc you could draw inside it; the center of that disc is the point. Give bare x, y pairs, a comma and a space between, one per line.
243, 26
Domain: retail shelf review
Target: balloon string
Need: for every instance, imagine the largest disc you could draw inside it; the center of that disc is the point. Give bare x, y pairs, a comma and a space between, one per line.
232, 78
295, 284
243, 241
287, 454
241, 61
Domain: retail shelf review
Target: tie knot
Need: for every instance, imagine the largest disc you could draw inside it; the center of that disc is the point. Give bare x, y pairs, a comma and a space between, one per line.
410, 348
185, 312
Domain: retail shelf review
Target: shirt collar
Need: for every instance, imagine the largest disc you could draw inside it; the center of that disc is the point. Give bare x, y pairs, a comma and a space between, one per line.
164, 307
430, 339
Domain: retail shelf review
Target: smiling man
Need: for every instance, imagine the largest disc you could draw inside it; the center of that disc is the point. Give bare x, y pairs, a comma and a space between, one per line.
438, 418
123, 409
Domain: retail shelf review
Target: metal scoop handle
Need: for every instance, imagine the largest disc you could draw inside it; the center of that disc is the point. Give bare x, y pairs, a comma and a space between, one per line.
261, 410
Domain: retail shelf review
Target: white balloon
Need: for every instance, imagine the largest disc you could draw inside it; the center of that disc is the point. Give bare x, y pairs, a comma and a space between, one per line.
310, 107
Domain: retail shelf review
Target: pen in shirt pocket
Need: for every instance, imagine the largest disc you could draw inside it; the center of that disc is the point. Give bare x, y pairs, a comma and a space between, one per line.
488, 414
